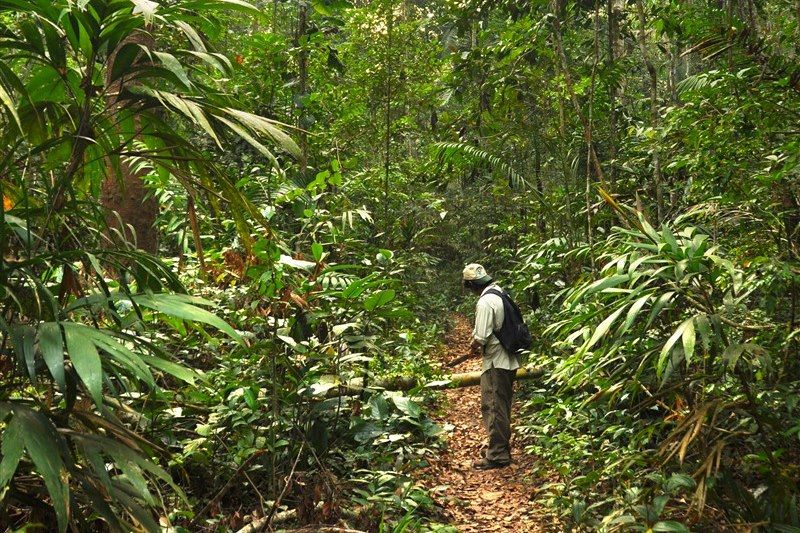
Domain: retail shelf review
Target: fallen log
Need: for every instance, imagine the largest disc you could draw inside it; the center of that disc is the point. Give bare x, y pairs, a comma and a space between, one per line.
284, 516
277, 518
405, 383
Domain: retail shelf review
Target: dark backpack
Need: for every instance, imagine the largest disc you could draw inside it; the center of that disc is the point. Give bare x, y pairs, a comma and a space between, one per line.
513, 335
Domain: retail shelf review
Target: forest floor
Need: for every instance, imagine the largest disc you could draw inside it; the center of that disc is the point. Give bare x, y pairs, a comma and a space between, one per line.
473, 500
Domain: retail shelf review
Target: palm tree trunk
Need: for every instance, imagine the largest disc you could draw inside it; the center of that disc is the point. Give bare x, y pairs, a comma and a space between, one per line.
130, 208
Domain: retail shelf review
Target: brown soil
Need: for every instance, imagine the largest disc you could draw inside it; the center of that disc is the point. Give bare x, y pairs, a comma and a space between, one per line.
478, 501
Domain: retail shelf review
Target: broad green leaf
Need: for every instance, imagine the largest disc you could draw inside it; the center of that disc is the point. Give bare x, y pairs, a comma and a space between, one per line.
603, 328
217, 61
338, 329
438, 384
174, 369
704, 328
93, 453
125, 59
8, 103
598, 286
44, 448
330, 8
667, 349
192, 35
190, 110
173, 65
120, 353
645, 259
288, 340
407, 406
125, 455
379, 299
24, 338
660, 303
266, 127
251, 399
296, 263
659, 502
648, 229
180, 307
732, 353
84, 357
242, 132
132, 474
688, 338
677, 481
236, 5
354, 289
317, 251
46, 85
379, 407
11, 446
51, 346
670, 238
84, 38
633, 312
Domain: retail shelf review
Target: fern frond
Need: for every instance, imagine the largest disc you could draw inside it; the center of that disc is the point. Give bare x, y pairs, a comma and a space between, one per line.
459, 153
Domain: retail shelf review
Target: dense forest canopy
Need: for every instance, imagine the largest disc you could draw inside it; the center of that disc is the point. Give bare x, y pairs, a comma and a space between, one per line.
231, 229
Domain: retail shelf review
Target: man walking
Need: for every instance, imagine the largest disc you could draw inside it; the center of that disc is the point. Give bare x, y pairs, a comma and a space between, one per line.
499, 366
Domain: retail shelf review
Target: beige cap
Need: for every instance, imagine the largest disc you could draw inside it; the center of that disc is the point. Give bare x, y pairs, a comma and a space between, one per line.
475, 272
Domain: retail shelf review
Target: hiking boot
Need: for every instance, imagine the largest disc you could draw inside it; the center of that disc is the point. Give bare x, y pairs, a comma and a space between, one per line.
487, 464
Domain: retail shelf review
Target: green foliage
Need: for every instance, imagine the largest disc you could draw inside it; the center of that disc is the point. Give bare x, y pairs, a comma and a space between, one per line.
323, 171
85, 95
665, 352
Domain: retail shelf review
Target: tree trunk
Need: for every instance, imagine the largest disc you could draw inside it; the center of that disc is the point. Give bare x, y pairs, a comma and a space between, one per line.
302, 88
613, 30
537, 170
387, 156
654, 122
130, 208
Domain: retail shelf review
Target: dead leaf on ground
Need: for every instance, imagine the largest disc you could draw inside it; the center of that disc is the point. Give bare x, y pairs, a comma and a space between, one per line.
491, 496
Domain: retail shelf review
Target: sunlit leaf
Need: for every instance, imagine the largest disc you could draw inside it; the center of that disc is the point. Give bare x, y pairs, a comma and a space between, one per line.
379, 299
52, 347
603, 328
181, 307
667, 349
688, 338
84, 357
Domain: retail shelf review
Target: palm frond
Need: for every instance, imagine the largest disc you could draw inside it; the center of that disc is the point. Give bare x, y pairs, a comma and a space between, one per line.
463, 153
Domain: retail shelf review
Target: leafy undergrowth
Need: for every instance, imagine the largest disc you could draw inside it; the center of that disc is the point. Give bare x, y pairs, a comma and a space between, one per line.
669, 393
266, 432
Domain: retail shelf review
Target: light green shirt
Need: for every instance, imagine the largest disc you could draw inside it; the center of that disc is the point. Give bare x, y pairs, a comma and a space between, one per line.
488, 319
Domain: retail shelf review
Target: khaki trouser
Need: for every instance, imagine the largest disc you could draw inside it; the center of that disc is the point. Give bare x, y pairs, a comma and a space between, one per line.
497, 387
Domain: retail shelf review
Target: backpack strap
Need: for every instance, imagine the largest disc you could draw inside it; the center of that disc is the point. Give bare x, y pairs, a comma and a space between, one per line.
503, 296
495, 292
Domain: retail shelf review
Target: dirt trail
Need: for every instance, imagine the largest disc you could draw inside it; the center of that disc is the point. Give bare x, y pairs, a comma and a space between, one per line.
477, 501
